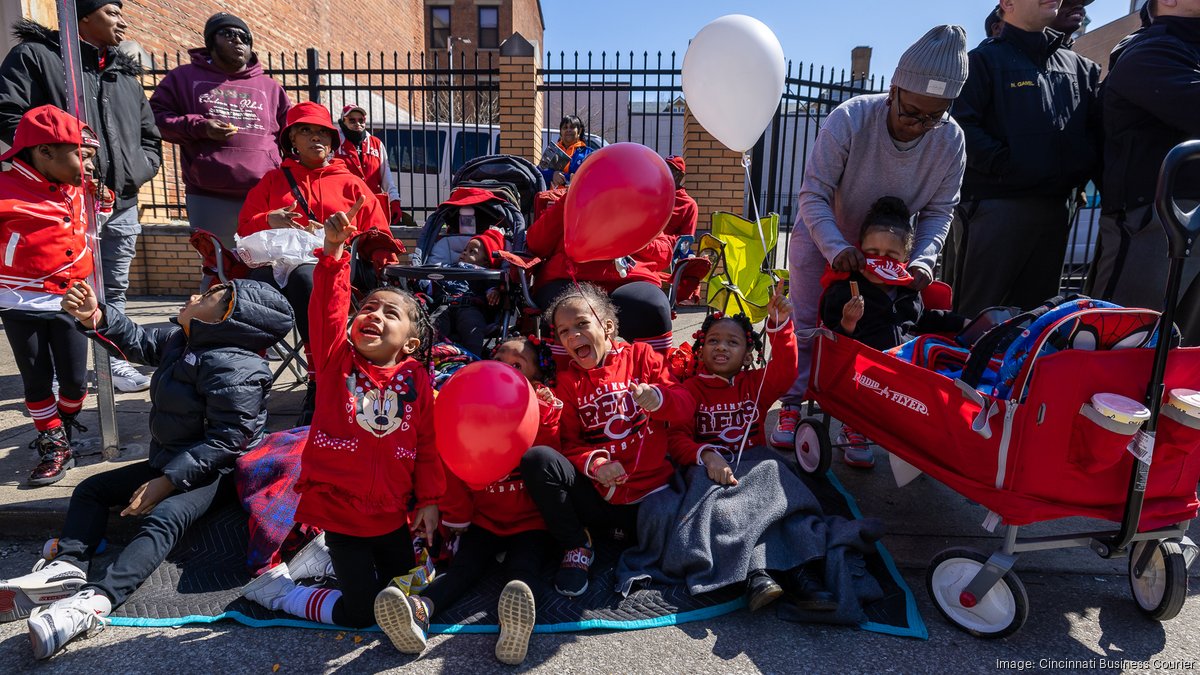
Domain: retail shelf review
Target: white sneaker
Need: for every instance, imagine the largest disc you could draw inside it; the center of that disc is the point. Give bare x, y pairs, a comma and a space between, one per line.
270, 588
51, 628
127, 379
517, 616
47, 583
312, 562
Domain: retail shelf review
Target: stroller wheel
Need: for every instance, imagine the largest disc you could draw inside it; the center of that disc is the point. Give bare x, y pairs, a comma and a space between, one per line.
1161, 589
813, 451
998, 614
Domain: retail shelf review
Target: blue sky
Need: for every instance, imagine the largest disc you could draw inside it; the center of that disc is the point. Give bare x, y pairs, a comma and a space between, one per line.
814, 31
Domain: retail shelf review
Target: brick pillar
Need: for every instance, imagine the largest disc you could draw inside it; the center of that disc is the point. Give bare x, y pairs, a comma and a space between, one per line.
716, 179
521, 105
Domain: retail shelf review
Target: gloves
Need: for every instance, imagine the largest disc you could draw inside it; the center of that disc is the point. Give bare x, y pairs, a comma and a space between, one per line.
397, 213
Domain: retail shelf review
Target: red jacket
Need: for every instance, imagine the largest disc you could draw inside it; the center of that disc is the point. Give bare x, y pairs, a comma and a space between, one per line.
327, 190
364, 161
43, 233
601, 419
371, 445
722, 405
545, 240
658, 253
503, 508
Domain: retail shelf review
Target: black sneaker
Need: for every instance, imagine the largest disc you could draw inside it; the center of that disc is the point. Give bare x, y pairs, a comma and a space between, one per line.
57, 457
572, 577
308, 406
808, 589
71, 424
761, 590
403, 618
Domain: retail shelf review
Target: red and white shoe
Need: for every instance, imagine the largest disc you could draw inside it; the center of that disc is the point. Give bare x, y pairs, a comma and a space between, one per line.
856, 449
47, 583
784, 436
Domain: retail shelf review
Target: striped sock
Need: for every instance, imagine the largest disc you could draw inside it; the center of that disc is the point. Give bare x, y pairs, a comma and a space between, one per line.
659, 343
312, 603
44, 414
308, 358
66, 405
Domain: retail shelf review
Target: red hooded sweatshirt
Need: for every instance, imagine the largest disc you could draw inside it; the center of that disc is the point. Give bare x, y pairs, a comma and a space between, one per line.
723, 407
545, 240
658, 253
503, 508
601, 420
327, 190
371, 444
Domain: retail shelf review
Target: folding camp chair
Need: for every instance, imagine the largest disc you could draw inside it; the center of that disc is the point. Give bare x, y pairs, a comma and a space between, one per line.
220, 265
741, 279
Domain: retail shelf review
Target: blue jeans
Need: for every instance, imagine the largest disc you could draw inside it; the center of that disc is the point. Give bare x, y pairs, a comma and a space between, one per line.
118, 246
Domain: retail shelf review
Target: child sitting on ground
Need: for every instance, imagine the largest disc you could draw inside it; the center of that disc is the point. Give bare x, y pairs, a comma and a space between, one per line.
42, 219
876, 306
208, 407
732, 400
370, 448
616, 398
466, 305
499, 518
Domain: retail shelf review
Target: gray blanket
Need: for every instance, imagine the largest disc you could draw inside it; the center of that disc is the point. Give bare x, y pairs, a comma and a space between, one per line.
708, 536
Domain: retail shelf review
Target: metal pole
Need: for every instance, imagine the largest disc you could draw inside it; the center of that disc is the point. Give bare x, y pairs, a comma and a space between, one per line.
450, 81
68, 23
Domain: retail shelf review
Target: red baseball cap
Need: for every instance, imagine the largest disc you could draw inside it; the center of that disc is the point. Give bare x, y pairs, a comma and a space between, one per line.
677, 162
466, 196
46, 125
351, 108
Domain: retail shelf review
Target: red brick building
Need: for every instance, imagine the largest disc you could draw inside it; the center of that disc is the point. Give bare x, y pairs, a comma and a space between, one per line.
486, 23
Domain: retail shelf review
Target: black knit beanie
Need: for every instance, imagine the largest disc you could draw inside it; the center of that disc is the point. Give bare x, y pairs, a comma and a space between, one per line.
85, 7
224, 20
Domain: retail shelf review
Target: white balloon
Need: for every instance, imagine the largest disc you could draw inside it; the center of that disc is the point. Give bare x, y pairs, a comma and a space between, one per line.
733, 77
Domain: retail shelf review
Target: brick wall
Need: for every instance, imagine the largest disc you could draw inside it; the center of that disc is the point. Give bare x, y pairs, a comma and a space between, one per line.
716, 178
516, 16
165, 264
521, 108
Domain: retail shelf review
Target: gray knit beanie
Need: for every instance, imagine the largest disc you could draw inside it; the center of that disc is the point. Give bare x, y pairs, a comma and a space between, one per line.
936, 65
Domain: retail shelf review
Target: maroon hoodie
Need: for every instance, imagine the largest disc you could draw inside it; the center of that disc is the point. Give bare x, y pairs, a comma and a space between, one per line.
251, 100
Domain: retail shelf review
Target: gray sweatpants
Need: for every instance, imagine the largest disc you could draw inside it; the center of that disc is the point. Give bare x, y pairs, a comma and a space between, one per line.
1131, 267
1008, 252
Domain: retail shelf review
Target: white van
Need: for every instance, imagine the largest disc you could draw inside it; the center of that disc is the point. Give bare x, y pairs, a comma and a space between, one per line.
424, 156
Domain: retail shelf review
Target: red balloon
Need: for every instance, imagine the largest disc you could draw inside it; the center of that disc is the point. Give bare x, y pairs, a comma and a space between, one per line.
620, 199
486, 417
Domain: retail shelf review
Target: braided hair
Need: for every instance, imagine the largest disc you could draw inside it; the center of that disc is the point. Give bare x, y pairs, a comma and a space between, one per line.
754, 341
419, 316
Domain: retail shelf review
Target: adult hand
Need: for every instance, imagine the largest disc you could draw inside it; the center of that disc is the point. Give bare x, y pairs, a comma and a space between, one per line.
646, 396
559, 179
610, 474
146, 497
921, 278
718, 469
849, 260
81, 303
218, 131
780, 308
426, 522
285, 218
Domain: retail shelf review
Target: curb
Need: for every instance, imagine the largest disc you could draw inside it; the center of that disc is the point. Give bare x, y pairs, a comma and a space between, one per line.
46, 523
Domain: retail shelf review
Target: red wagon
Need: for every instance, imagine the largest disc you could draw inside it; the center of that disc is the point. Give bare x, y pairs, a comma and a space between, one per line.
1040, 454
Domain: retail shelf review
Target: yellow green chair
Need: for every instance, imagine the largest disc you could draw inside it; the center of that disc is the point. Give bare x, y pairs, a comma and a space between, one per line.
741, 281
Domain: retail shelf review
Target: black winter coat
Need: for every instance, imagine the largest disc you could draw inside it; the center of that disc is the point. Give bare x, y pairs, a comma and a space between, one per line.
116, 106
886, 322
1151, 104
208, 396
1030, 114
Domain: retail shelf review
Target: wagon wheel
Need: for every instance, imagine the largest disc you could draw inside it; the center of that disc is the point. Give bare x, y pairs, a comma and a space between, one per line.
998, 614
813, 451
1162, 588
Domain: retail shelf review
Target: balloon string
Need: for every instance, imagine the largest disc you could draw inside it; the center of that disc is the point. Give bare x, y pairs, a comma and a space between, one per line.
769, 354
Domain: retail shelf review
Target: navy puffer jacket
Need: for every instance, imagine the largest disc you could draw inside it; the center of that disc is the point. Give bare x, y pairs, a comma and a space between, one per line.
208, 396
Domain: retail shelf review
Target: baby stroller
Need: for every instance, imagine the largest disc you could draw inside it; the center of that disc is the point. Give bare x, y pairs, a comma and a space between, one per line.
499, 190
1031, 447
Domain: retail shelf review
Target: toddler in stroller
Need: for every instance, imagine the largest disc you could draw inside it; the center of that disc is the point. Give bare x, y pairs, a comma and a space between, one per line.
466, 304
876, 305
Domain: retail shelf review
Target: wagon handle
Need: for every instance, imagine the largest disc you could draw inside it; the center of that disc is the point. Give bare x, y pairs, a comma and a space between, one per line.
1181, 226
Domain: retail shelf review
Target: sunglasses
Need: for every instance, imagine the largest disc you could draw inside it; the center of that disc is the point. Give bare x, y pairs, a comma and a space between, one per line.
233, 34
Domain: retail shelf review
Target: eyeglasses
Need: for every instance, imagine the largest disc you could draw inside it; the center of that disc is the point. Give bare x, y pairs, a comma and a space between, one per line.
233, 34
926, 121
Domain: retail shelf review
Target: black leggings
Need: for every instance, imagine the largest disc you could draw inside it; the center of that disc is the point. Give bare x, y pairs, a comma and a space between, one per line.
568, 500
364, 566
298, 290
642, 308
524, 557
45, 344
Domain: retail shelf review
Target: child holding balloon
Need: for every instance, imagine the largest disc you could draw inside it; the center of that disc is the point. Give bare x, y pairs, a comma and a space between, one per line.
616, 398
491, 519
370, 447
